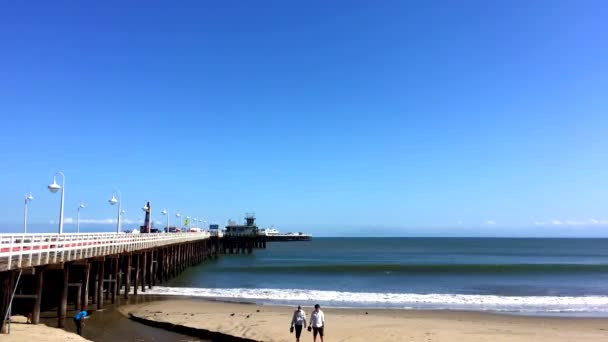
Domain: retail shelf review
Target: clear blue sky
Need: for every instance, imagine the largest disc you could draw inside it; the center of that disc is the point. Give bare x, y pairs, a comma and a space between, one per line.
341, 117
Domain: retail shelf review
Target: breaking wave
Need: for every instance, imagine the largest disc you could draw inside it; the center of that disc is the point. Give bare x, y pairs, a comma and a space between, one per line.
597, 305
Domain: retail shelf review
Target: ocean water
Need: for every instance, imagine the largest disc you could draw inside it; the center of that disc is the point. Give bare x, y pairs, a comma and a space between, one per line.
529, 276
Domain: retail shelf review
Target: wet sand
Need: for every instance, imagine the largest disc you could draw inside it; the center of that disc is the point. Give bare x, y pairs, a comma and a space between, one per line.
110, 325
23, 332
271, 323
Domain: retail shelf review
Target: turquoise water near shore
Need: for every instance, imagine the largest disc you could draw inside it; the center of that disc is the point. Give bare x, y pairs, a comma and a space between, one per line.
517, 275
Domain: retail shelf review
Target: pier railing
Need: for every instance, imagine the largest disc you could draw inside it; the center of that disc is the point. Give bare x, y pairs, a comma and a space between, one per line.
27, 250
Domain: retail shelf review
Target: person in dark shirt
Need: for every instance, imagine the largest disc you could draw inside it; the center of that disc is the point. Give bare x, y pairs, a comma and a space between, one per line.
79, 320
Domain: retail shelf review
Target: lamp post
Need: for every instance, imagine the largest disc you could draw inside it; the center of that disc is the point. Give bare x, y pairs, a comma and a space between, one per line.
28, 198
113, 201
179, 216
188, 222
80, 206
54, 187
166, 213
195, 222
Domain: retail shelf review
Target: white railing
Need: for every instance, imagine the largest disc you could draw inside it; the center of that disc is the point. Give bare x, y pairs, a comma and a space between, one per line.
26, 250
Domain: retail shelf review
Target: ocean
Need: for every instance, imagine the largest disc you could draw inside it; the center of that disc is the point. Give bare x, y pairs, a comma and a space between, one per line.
524, 276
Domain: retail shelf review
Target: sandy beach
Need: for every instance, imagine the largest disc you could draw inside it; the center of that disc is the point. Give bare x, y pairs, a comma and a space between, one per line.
22, 332
271, 323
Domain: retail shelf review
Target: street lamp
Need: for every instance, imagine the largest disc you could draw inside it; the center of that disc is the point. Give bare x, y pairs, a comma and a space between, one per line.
195, 222
113, 201
28, 198
165, 212
80, 206
179, 216
54, 188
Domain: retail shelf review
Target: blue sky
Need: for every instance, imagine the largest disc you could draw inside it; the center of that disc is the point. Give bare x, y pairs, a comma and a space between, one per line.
414, 118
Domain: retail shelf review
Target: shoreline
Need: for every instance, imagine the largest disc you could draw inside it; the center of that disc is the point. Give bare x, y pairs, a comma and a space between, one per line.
528, 306
199, 317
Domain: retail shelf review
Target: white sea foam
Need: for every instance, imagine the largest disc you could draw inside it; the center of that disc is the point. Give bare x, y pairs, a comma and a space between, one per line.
531, 304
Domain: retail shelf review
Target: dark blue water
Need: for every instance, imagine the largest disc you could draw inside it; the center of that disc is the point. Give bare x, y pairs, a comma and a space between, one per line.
417, 265
392, 272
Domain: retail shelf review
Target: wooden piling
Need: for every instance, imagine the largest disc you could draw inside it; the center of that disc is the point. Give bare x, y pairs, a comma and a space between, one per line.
137, 266
100, 282
62, 308
38, 283
95, 283
85, 285
114, 285
120, 273
7, 281
127, 276
143, 271
151, 269
77, 304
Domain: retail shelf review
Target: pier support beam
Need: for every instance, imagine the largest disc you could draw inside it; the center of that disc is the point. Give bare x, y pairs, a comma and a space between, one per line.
151, 270
137, 265
100, 275
7, 280
62, 308
127, 276
85, 286
115, 284
95, 284
143, 267
38, 283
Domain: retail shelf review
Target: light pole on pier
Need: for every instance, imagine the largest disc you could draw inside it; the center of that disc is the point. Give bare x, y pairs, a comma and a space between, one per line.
54, 187
166, 213
188, 222
28, 198
113, 201
80, 206
179, 216
195, 222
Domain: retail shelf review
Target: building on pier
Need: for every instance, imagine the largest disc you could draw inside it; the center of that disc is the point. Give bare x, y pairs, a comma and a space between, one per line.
249, 228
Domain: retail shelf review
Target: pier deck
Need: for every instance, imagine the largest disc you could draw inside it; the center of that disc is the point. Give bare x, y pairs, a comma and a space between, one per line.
28, 250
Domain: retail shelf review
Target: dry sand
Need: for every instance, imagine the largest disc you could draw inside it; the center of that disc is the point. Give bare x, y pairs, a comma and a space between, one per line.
22, 332
271, 323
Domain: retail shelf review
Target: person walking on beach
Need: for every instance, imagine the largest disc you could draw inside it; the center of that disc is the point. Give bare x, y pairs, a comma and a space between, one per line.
79, 320
298, 321
317, 322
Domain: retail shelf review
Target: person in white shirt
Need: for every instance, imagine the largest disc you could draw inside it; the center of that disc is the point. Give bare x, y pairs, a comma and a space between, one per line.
298, 320
317, 322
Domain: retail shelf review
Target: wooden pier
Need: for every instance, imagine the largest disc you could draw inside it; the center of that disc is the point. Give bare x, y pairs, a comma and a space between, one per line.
45, 271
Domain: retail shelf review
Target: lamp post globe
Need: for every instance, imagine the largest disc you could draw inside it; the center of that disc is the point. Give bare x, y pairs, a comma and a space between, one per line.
80, 206
114, 201
28, 198
54, 187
